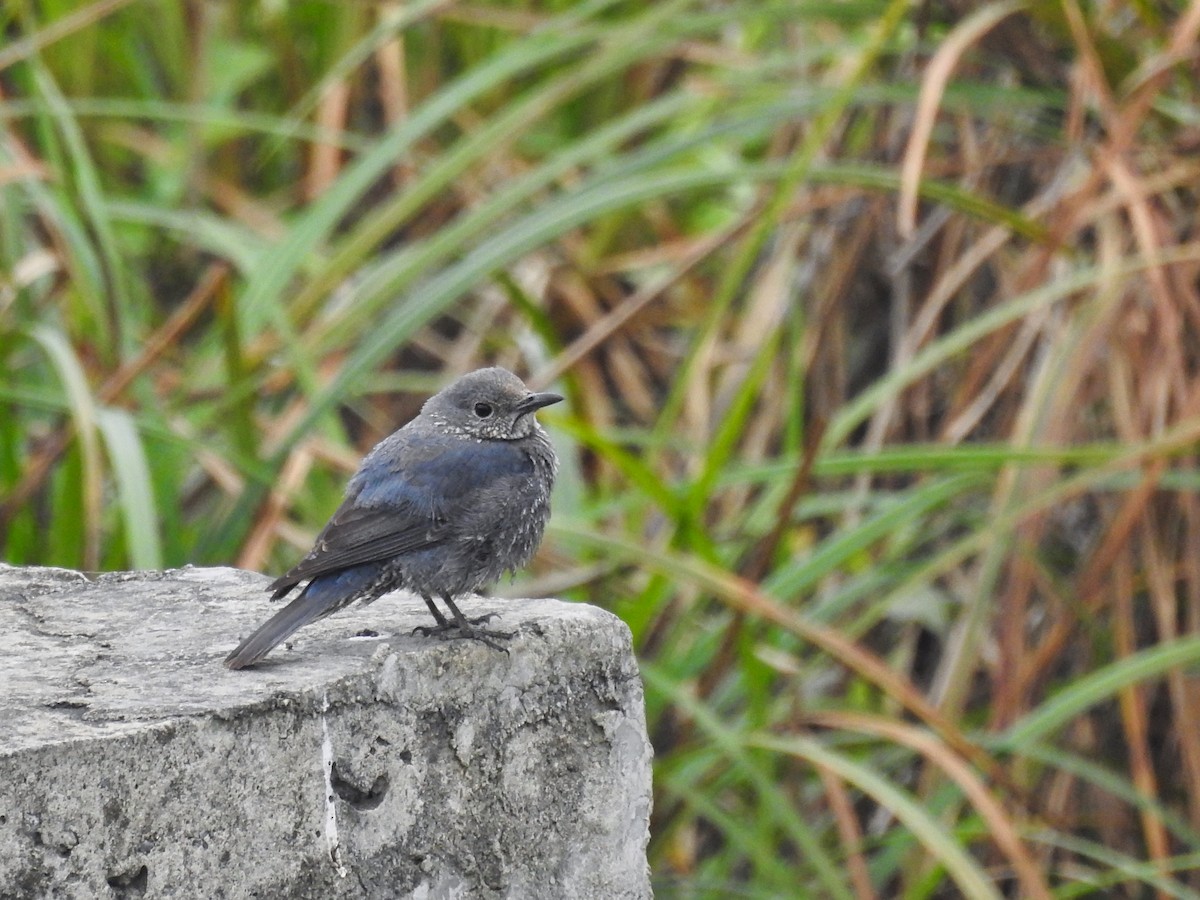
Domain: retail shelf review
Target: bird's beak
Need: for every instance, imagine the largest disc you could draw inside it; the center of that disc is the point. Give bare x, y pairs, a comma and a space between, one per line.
537, 401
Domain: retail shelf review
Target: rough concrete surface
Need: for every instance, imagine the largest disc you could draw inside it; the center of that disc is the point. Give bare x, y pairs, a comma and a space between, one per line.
353, 764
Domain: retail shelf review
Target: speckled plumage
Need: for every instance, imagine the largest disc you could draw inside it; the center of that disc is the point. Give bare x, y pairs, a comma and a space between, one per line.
443, 507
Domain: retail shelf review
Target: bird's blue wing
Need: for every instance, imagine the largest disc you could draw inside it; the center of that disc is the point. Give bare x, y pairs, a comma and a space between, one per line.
405, 500
438, 476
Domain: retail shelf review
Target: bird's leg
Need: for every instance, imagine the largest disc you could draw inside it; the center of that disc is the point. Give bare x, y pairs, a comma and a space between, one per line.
444, 626
437, 613
467, 629
462, 627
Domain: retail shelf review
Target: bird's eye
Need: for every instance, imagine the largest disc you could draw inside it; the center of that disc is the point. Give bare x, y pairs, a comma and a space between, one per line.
483, 410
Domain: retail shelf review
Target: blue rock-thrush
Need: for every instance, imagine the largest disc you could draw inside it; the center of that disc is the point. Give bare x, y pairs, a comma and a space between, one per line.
442, 507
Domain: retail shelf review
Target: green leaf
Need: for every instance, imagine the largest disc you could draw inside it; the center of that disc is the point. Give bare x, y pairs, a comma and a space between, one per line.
135, 488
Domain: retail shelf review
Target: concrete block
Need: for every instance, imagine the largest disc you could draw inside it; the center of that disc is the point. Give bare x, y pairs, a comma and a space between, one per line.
359, 762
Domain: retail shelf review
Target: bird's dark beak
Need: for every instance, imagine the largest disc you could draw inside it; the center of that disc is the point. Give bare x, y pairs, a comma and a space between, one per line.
537, 401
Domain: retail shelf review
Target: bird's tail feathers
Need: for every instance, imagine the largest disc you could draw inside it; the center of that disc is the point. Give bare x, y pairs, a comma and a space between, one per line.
301, 611
320, 597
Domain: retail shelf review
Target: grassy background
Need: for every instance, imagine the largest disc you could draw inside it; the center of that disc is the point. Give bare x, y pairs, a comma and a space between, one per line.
878, 323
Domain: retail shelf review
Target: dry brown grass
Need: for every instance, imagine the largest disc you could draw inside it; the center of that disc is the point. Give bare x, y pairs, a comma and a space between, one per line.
879, 330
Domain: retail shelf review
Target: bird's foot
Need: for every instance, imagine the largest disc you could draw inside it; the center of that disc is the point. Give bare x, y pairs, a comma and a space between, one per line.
444, 626
449, 631
484, 637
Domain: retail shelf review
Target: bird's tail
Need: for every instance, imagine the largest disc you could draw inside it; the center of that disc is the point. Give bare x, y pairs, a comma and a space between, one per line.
296, 614
320, 597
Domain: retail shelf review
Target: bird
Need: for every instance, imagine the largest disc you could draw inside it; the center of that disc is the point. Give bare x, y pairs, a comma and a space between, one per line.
443, 507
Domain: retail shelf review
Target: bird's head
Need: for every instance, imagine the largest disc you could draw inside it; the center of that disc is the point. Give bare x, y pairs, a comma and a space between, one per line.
489, 404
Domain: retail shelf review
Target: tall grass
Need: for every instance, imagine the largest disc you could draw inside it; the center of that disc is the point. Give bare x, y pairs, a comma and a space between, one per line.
878, 325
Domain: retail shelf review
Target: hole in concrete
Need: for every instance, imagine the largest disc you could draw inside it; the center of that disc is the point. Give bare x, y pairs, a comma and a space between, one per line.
405, 757
131, 882
378, 744
69, 708
67, 703
355, 795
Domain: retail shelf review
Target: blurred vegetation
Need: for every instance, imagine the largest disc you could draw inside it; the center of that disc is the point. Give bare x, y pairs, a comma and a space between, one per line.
878, 322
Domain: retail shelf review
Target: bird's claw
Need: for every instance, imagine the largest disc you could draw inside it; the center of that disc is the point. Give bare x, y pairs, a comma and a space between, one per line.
443, 627
485, 637
453, 631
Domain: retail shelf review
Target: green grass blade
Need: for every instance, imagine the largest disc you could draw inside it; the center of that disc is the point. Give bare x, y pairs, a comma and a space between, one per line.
135, 488
91, 198
791, 580
71, 376
774, 802
1099, 686
263, 295
966, 873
